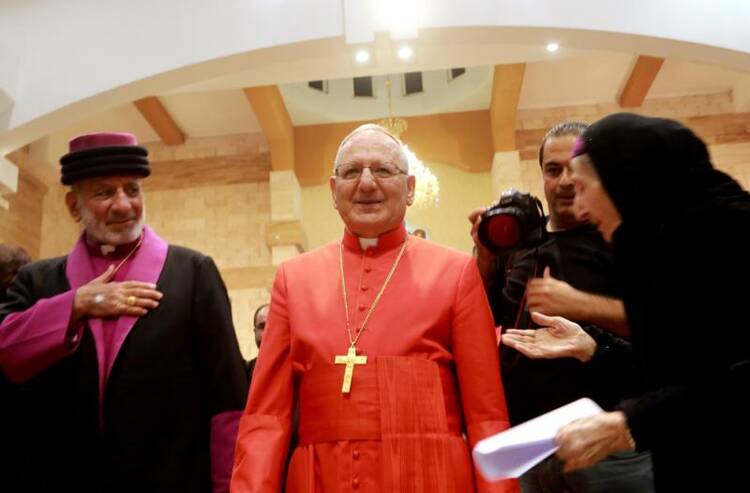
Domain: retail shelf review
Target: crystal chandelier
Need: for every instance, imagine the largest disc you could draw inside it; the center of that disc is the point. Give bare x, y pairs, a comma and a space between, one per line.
427, 186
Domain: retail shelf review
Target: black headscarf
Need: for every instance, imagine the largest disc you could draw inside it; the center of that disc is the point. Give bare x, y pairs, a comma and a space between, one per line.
654, 168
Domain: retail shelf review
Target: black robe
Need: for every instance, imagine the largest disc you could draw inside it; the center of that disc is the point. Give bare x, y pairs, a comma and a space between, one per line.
683, 257
179, 366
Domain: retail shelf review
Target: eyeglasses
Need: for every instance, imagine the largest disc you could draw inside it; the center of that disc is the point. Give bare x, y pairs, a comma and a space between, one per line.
352, 172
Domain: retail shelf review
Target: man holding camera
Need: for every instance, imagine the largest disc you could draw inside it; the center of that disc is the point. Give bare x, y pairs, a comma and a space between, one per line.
565, 270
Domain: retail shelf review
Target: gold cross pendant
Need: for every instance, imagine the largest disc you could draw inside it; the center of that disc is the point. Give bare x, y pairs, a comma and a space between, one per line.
350, 359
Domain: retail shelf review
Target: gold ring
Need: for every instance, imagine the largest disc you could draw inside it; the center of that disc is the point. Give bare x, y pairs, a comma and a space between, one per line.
130, 300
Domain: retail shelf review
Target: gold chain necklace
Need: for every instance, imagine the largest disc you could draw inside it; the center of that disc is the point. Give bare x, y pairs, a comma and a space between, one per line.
130, 254
99, 297
350, 358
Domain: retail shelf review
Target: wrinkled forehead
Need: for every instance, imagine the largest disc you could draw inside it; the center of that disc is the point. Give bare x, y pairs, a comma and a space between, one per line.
107, 181
367, 146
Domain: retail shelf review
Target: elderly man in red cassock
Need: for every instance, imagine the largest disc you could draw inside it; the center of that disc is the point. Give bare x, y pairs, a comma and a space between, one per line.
384, 343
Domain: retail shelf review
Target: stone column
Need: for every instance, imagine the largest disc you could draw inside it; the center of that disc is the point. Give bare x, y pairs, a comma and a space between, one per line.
506, 172
284, 234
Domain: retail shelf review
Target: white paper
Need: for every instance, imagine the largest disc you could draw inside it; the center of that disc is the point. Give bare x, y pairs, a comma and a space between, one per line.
514, 451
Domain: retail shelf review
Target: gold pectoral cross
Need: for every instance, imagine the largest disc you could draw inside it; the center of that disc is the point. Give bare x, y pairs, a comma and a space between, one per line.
349, 360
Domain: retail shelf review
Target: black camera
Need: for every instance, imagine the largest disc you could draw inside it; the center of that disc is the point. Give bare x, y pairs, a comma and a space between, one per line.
516, 221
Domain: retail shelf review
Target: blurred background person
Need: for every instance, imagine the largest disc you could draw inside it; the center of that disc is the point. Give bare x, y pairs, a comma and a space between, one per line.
259, 326
12, 258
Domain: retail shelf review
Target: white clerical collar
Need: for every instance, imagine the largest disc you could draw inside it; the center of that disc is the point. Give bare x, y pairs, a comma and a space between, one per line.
107, 249
366, 243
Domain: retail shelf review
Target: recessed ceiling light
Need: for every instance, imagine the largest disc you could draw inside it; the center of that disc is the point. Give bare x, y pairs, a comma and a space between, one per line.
362, 56
405, 52
552, 47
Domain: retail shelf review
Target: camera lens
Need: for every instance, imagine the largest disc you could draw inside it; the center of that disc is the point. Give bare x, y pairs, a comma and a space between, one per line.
515, 221
499, 230
503, 231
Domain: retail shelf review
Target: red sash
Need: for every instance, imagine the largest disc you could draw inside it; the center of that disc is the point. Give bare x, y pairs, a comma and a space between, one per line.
411, 405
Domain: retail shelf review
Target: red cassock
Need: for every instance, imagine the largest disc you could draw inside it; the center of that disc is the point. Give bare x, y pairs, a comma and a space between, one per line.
429, 391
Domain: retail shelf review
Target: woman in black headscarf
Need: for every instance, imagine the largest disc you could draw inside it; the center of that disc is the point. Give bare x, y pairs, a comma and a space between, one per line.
680, 231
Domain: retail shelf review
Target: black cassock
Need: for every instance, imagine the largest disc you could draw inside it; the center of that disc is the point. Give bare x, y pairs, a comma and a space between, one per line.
179, 367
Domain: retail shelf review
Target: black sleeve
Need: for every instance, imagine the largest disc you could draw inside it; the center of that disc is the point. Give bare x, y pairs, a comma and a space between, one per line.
697, 343
612, 369
510, 276
19, 296
224, 373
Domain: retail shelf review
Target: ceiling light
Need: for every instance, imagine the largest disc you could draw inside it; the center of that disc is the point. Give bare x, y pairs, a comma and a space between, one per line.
362, 56
405, 52
400, 17
552, 47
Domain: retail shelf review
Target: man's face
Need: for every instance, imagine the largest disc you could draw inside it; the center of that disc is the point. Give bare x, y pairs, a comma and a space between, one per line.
260, 325
111, 208
371, 206
591, 197
558, 187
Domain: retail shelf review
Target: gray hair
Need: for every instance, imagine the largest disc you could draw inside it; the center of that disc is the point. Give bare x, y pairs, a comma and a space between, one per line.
373, 128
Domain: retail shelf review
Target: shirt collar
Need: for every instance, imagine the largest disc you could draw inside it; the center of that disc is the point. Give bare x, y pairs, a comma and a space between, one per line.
386, 241
110, 251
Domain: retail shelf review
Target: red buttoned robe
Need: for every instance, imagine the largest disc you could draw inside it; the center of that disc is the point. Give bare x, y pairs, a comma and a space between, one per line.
429, 391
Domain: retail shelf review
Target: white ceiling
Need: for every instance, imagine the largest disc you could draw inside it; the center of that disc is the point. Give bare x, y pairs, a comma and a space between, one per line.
125, 118
207, 114
683, 78
470, 91
575, 81
594, 78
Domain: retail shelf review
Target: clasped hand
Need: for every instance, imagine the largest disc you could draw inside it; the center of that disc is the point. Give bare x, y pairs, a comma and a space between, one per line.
101, 298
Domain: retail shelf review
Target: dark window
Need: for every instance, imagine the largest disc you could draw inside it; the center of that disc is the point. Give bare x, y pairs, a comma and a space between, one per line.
319, 85
456, 72
363, 87
412, 83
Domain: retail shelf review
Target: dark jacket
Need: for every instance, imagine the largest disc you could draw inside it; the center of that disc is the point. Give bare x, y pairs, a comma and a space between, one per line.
682, 254
580, 257
179, 366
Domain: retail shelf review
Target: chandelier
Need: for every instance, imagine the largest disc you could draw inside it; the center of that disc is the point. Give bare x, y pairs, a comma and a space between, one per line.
427, 190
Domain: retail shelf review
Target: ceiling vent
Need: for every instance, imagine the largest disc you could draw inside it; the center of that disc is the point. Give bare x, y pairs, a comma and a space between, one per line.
318, 85
362, 87
455, 73
412, 83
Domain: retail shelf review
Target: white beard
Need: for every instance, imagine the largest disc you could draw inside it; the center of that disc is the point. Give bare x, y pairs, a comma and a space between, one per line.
98, 232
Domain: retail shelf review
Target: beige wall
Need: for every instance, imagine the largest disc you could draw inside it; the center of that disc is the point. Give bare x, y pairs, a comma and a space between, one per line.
733, 159
59, 230
320, 220
460, 192
21, 223
226, 222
